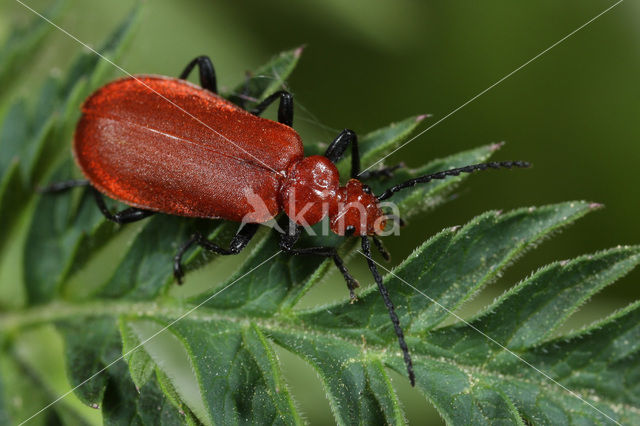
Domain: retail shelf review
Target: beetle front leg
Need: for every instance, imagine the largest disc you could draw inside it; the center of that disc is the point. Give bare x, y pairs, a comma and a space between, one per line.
238, 243
207, 73
288, 240
285, 109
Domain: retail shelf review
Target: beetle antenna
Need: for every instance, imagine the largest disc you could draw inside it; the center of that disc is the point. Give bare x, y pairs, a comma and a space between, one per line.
366, 248
452, 172
381, 248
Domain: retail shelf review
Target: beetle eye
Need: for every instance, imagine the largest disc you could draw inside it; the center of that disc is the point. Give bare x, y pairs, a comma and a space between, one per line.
349, 230
366, 189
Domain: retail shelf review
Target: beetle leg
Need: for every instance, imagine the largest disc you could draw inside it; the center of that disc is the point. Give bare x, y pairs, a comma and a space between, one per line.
131, 214
339, 146
207, 73
285, 109
238, 243
366, 248
62, 186
288, 240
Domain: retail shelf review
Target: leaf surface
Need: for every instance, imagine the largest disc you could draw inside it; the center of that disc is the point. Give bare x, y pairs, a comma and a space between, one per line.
144, 355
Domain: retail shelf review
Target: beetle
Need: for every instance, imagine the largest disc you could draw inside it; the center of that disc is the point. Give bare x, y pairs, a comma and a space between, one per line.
164, 145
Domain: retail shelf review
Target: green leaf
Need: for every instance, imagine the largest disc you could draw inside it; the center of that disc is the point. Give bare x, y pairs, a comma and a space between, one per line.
13, 132
357, 386
57, 227
450, 267
22, 44
241, 381
12, 194
267, 79
141, 366
89, 347
146, 355
146, 406
531, 311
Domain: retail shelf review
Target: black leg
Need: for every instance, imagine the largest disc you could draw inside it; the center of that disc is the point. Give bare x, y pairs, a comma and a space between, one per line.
290, 238
338, 147
366, 248
285, 109
63, 186
207, 73
238, 243
131, 214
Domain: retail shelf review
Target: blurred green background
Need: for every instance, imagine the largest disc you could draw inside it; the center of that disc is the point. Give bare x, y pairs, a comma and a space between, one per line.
573, 112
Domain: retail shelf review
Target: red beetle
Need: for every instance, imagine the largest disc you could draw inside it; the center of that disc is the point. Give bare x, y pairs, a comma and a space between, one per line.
161, 144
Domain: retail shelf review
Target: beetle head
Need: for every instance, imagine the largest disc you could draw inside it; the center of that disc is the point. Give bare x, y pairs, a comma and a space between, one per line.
357, 212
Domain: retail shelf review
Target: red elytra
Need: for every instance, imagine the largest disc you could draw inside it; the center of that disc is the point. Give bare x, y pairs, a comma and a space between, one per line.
166, 145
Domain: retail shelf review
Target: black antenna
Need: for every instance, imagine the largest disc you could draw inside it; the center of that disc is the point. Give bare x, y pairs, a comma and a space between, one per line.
366, 248
452, 172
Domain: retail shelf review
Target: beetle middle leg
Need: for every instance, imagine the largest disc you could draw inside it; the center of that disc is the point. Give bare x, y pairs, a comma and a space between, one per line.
285, 109
207, 73
238, 243
289, 239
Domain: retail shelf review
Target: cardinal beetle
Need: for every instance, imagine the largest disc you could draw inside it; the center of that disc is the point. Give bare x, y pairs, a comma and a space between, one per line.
163, 145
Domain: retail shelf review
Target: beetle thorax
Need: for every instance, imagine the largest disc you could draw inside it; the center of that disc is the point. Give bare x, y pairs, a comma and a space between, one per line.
312, 192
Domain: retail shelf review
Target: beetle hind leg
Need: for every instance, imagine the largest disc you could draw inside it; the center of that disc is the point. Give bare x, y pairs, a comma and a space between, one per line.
238, 243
